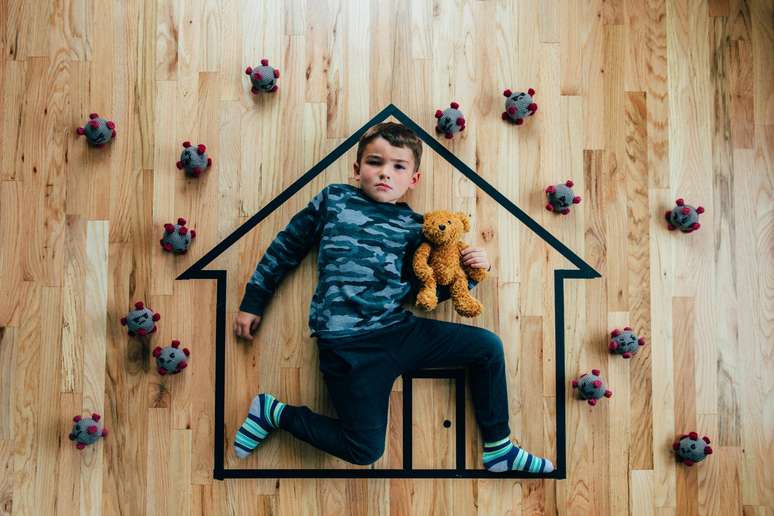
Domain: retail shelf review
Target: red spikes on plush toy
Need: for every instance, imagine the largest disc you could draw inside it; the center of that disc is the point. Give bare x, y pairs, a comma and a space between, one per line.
518, 106
683, 217
561, 197
263, 77
98, 131
177, 237
591, 387
194, 160
689, 449
141, 321
86, 430
450, 120
625, 343
171, 360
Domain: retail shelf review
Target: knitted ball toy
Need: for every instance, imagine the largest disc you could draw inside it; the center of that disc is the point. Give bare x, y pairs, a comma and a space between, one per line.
561, 197
450, 120
140, 321
689, 449
625, 342
194, 160
171, 359
683, 217
518, 106
263, 77
98, 130
86, 430
591, 387
177, 237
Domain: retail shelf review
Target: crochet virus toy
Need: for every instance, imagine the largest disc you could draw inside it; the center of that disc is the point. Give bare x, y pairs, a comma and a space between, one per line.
177, 237
140, 321
264, 77
519, 105
450, 120
591, 387
194, 160
683, 217
98, 130
625, 342
171, 359
86, 431
561, 197
689, 449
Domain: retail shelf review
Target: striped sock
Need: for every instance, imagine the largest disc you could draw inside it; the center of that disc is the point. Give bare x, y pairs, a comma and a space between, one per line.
262, 420
503, 455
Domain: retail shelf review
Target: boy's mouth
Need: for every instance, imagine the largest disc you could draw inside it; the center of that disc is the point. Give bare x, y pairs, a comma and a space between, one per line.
382, 185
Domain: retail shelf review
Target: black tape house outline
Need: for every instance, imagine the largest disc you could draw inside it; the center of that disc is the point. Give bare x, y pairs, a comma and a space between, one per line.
583, 271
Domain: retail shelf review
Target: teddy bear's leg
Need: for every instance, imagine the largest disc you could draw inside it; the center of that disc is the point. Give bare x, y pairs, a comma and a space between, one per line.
464, 303
427, 297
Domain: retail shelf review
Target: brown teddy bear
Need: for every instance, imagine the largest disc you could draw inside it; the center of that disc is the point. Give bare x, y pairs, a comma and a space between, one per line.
437, 261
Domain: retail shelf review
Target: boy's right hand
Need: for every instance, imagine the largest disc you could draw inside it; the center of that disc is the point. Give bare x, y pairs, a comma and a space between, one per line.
245, 324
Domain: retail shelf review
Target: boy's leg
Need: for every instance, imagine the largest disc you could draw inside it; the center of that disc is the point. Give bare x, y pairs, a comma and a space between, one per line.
434, 343
359, 376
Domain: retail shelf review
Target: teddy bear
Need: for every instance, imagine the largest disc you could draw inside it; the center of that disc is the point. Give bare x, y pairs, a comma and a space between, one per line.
438, 261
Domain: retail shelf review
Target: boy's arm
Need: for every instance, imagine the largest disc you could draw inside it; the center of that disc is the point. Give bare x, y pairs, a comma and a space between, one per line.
284, 253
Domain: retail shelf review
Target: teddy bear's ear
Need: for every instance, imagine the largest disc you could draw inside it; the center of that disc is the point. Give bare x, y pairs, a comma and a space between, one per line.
465, 220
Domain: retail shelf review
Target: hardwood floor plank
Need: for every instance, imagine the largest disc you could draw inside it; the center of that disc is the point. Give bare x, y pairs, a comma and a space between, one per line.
640, 103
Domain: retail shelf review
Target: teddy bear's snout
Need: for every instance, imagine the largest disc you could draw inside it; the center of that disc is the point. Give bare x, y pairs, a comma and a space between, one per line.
441, 226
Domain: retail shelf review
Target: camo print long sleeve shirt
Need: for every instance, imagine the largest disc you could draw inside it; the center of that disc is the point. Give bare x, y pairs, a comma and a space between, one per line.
364, 262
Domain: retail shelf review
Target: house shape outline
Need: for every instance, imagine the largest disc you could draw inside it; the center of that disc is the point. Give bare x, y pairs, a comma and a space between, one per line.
583, 271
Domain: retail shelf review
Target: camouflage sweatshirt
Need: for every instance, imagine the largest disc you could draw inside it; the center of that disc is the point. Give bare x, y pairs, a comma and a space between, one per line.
364, 262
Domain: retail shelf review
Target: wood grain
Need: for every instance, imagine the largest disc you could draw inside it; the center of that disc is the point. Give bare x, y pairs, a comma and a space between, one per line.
640, 102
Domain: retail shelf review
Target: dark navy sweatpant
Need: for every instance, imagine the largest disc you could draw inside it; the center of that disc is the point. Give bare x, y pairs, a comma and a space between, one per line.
360, 371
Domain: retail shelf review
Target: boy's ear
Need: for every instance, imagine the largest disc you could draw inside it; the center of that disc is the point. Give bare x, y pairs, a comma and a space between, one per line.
415, 178
465, 220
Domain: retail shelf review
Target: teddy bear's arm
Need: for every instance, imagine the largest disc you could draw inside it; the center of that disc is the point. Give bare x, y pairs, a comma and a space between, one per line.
422, 268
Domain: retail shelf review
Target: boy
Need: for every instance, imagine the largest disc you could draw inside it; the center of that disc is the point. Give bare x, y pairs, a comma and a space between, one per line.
365, 338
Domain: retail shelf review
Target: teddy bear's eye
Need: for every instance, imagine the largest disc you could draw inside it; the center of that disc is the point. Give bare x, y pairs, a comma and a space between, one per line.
449, 222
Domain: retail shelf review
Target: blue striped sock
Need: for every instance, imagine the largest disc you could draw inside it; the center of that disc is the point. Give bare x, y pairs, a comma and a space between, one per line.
503, 455
263, 419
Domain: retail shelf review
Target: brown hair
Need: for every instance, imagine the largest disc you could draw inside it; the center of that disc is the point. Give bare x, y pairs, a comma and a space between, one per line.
398, 135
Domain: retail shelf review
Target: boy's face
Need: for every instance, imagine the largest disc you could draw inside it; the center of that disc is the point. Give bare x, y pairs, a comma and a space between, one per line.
385, 172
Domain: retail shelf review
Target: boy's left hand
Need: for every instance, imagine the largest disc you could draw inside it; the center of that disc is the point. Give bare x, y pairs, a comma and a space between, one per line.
475, 257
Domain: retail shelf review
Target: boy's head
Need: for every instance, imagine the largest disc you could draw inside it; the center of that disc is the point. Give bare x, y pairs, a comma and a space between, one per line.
388, 157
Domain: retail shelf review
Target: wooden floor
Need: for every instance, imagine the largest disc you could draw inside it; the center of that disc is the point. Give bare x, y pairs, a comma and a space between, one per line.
640, 102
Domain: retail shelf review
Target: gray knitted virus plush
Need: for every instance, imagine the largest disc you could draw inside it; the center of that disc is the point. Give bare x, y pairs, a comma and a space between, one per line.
177, 237
519, 105
591, 387
98, 130
689, 449
194, 160
683, 217
141, 321
450, 120
172, 359
87, 430
263, 77
561, 197
625, 343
